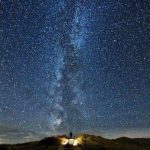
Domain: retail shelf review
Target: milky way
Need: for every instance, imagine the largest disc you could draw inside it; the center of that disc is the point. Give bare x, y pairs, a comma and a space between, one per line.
67, 93
80, 66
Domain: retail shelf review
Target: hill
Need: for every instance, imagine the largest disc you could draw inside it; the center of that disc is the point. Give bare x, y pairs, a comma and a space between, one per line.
82, 142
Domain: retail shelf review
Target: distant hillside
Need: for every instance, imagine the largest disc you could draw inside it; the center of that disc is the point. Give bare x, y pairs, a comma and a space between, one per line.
84, 142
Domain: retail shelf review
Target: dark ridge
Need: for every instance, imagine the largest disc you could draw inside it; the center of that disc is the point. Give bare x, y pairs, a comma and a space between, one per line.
134, 141
92, 143
50, 141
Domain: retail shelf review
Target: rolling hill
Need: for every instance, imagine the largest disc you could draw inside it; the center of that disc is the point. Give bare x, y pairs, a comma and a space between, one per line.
83, 142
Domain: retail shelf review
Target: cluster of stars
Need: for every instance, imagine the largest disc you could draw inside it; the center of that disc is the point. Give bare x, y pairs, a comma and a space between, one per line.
74, 65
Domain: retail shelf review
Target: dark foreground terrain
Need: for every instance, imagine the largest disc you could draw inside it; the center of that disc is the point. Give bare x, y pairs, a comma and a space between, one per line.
85, 142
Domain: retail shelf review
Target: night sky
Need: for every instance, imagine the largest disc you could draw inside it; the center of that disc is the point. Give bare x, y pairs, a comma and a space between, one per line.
74, 65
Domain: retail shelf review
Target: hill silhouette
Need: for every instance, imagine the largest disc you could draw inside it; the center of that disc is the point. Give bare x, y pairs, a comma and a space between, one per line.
84, 142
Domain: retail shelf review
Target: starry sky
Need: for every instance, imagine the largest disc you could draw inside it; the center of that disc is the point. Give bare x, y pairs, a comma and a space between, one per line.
74, 65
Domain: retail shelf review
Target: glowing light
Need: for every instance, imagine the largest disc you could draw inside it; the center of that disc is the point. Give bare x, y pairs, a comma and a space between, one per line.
75, 142
64, 141
71, 141
78, 140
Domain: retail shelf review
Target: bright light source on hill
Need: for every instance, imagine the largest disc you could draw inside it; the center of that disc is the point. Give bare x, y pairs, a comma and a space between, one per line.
65, 141
71, 141
75, 142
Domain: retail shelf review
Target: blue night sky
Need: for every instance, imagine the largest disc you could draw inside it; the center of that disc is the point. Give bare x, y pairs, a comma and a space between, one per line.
74, 65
